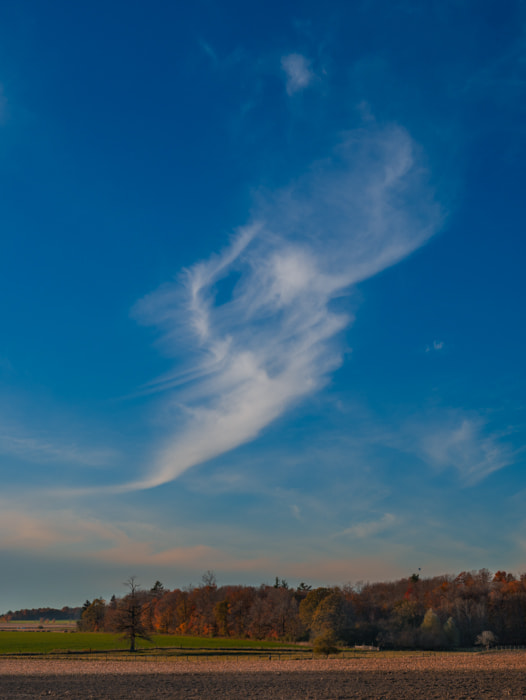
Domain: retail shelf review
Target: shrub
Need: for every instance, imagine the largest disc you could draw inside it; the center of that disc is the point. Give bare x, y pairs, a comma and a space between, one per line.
486, 639
326, 643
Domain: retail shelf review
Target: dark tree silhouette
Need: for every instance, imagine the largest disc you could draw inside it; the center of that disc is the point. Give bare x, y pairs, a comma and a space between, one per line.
129, 614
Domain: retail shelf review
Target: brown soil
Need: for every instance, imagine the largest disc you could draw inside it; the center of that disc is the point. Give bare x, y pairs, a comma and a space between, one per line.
458, 676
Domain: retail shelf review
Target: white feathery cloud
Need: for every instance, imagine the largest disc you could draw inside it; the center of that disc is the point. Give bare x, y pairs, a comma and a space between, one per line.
462, 442
297, 70
370, 528
254, 329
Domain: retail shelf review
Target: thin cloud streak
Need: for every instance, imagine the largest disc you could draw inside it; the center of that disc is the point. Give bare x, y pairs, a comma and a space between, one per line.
371, 528
41, 449
255, 329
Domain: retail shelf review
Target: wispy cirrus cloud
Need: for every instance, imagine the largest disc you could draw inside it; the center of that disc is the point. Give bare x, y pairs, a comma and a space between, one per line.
298, 72
42, 448
255, 329
442, 439
463, 442
370, 528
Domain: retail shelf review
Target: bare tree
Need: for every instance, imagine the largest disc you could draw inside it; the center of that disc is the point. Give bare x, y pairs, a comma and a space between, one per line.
209, 579
129, 617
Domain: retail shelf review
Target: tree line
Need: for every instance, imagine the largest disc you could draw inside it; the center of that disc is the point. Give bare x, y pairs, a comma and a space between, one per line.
31, 614
441, 612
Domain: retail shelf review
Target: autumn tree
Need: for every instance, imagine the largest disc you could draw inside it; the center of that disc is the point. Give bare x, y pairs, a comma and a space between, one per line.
92, 617
221, 617
154, 595
432, 635
283, 613
507, 608
309, 604
333, 614
240, 600
451, 633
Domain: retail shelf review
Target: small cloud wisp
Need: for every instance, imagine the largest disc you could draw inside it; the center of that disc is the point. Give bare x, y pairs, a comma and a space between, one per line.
297, 70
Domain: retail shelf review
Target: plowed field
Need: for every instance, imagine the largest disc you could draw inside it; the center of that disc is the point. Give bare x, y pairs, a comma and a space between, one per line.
458, 676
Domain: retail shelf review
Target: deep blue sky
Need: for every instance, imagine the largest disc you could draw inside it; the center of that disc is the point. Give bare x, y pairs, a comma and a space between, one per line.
262, 292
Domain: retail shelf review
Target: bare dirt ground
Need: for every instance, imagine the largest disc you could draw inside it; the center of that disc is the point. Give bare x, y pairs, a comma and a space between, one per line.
458, 676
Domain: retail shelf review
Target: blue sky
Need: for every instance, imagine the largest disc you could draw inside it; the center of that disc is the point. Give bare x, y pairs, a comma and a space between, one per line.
262, 292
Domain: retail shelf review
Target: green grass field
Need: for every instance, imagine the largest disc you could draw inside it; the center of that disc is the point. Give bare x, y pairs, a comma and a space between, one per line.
44, 642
